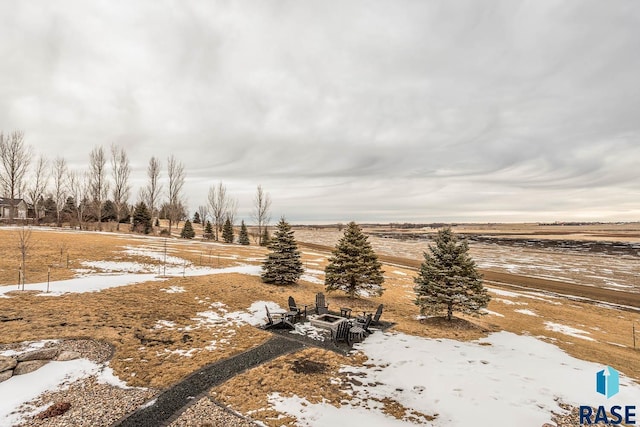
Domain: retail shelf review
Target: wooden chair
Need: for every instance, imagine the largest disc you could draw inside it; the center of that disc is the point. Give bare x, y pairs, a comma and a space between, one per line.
281, 320
321, 306
363, 324
376, 317
341, 333
299, 311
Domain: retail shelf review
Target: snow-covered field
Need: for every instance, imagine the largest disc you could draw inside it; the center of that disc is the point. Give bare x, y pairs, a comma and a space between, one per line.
502, 380
608, 271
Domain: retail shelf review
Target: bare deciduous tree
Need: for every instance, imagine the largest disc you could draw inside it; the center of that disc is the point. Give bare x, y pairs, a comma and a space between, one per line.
151, 193
175, 173
218, 203
121, 188
99, 186
38, 185
59, 172
15, 157
79, 185
232, 210
261, 214
204, 213
24, 245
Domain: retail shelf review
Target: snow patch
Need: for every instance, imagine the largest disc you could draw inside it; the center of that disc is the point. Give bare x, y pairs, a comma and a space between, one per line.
173, 290
106, 376
311, 279
164, 324
305, 329
21, 389
491, 313
465, 383
527, 312
567, 330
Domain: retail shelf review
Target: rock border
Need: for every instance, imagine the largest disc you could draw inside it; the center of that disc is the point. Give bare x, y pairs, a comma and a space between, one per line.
27, 361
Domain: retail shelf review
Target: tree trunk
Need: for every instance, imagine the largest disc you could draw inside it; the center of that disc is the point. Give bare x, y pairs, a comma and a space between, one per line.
352, 287
449, 311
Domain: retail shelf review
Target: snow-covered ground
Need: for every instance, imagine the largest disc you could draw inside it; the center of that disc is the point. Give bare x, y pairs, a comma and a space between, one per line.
91, 281
502, 380
98, 275
21, 389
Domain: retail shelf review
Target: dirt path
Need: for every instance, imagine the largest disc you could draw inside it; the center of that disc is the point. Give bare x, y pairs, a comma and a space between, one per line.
593, 293
170, 403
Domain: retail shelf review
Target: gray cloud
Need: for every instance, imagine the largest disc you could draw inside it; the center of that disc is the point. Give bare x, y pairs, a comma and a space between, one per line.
435, 110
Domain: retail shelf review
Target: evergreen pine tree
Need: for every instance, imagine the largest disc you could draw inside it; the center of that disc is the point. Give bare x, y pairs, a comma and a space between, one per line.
354, 267
141, 219
208, 231
187, 231
243, 237
196, 218
265, 239
157, 224
227, 232
283, 265
448, 280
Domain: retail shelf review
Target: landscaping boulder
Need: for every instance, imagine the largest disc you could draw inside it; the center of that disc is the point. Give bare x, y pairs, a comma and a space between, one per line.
40, 354
68, 355
5, 375
7, 363
29, 366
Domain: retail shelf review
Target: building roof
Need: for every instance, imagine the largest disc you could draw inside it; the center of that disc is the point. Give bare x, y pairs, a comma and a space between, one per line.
5, 201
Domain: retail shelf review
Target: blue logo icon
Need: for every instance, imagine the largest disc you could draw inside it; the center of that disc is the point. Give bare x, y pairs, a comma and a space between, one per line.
608, 382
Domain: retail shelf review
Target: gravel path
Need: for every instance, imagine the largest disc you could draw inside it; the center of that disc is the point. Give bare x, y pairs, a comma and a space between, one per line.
205, 413
167, 406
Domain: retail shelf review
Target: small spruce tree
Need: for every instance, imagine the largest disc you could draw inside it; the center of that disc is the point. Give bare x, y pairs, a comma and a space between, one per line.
208, 231
187, 231
448, 280
283, 265
243, 237
264, 240
196, 218
354, 267
141, 219
227, 231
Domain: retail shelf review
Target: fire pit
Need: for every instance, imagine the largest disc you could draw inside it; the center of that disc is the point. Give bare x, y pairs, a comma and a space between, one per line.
327, 321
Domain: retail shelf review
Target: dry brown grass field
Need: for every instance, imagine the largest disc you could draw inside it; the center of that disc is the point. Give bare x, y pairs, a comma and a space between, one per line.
152, 330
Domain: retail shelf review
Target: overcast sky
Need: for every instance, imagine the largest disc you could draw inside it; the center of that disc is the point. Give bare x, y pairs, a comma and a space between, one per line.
368, 110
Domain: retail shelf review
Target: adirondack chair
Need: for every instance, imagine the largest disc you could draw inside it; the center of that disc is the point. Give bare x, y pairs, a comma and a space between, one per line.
277, 320
361, 325
299, 311
341, 333
376, 317
321, 306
